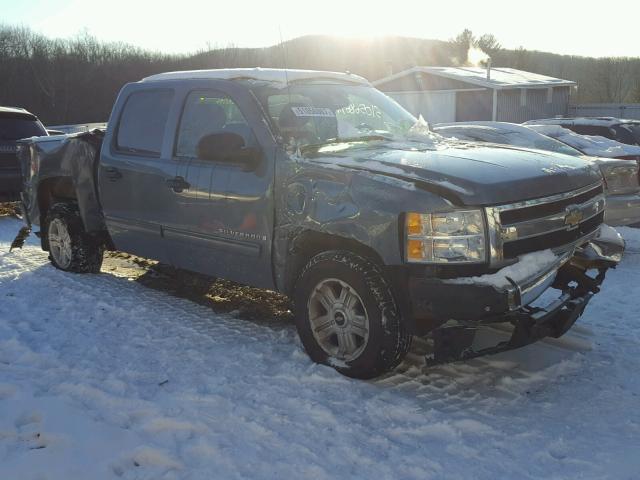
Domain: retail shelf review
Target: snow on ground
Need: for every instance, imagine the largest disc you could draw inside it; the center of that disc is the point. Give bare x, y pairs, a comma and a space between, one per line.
101, 377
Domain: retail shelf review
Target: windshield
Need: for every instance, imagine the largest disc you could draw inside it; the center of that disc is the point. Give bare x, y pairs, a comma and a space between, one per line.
316, 112
14, 128
628, 133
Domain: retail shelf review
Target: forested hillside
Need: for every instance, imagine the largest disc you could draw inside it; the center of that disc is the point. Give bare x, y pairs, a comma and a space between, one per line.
77, 80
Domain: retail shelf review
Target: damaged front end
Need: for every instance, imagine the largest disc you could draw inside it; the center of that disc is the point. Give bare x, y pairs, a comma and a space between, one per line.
576, 274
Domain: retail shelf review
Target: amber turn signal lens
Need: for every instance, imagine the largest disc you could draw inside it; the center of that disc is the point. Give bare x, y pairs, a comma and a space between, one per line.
414, 224
414, 250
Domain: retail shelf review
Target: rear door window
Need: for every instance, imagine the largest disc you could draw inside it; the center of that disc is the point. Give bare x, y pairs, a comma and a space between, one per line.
17, 127
143, 121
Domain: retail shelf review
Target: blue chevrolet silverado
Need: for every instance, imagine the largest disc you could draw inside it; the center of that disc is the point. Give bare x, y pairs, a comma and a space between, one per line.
317, 185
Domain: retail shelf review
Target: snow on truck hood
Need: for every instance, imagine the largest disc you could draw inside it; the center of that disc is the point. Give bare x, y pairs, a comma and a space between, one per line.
475, 173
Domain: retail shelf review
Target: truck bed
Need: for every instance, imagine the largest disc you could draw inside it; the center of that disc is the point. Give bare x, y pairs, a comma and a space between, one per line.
71, 163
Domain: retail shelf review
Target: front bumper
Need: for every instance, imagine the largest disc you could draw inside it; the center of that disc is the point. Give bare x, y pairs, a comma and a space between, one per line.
529, 325
622, 209
481, 301
471, 305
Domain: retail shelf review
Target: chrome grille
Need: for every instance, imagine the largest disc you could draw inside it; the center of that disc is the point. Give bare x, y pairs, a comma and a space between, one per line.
557, 222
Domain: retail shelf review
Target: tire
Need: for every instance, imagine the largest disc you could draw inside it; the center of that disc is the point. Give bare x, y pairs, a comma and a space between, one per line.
71, 248
360, 333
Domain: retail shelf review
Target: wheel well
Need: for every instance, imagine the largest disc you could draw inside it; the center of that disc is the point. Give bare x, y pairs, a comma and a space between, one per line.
309, 243
50, 191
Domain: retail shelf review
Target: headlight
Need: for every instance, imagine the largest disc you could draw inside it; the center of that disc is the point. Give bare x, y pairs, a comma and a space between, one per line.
621, 178
453, 237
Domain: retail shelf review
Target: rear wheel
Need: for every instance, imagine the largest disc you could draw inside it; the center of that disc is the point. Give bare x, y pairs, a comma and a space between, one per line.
71, 248
346, 315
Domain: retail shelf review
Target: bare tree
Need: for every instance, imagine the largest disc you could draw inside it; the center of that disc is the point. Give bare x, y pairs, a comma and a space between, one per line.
77, 80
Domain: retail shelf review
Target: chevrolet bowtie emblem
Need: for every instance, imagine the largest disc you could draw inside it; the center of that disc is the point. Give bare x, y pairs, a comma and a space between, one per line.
573, 217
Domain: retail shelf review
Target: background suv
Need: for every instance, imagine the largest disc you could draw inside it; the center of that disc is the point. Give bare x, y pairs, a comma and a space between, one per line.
15, 123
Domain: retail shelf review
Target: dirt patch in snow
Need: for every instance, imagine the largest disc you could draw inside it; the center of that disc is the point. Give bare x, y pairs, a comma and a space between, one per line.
220, 295
9, 209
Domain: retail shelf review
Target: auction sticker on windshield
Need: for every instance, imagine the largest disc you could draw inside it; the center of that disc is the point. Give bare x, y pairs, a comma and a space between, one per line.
313, 112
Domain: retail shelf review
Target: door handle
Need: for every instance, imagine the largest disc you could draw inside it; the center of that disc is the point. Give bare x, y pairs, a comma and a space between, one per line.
177, 184
113, 174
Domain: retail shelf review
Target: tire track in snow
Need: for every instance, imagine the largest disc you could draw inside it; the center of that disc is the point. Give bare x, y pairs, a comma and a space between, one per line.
449, 384
243, 400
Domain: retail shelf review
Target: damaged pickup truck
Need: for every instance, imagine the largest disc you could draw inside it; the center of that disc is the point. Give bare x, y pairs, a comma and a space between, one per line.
319, 186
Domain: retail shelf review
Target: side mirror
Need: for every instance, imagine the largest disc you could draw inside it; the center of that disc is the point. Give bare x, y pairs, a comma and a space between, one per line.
229, 148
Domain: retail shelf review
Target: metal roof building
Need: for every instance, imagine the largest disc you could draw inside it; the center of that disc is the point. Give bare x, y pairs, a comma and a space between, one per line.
462, 94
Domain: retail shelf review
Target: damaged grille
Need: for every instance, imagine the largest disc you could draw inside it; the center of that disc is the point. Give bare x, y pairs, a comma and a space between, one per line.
556, 222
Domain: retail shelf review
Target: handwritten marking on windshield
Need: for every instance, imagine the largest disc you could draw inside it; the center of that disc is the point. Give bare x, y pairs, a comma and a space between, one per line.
360, 109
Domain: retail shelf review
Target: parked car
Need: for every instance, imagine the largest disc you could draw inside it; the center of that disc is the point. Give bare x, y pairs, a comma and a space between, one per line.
321, 187
618, 129
15, 123
590, 145
620, 176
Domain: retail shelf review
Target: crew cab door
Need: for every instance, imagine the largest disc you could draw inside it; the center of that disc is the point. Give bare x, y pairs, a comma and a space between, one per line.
133, 173
222, 224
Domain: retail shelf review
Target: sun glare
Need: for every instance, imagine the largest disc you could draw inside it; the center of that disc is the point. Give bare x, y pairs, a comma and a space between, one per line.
199, 24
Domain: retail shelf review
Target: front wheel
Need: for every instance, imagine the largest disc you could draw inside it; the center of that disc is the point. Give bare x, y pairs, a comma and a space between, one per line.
71, 248
346, 315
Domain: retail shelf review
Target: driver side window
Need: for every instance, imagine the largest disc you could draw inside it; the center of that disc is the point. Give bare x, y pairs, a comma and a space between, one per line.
209, 113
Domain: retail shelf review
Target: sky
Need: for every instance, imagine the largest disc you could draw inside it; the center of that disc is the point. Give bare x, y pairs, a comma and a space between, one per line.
567, 27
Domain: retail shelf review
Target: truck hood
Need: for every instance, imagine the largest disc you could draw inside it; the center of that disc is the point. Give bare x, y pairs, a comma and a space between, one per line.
467, 173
